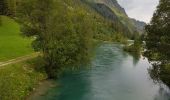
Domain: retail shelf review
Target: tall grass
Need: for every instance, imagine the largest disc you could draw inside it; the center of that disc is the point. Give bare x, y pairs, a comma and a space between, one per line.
18, 80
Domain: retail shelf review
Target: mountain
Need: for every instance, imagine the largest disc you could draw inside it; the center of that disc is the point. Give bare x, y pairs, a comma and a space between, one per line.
112, 4
109, 18
139, 25
111, 10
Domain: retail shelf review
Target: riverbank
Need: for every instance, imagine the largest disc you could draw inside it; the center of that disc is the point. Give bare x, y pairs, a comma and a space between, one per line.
18, 80
114, 74
41, 89
44, 86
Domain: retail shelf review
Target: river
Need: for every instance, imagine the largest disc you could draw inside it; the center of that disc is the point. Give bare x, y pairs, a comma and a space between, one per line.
113, 75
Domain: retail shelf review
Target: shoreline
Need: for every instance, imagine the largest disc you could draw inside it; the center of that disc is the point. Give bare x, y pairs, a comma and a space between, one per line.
41, 89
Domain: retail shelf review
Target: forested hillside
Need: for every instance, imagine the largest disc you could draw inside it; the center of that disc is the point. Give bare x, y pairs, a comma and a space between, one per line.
110, 9
106, 12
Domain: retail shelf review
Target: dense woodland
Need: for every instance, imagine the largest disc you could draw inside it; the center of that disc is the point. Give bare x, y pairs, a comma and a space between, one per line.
158, 43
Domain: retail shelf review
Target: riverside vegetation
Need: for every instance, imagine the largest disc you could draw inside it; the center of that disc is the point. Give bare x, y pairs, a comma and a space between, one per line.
64, 32
18, 80
134, 48
158, 43
64, 39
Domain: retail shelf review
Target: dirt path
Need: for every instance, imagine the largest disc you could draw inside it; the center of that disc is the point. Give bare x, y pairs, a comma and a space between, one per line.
19, 59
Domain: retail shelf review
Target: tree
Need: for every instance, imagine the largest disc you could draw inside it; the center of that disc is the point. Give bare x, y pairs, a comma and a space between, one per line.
11, 4
158, 40
62, 34
8, 7
158, 37
3, 7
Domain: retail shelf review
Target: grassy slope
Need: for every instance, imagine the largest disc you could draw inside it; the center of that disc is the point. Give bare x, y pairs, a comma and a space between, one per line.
18, 80
12, 45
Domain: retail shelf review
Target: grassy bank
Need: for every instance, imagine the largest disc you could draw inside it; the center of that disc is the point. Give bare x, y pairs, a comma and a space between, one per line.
12, 44
18, 80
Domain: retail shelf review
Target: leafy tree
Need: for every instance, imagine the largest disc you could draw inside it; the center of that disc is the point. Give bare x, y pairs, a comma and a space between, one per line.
158, 40
11, 7
158, 37
8, 7
63, 34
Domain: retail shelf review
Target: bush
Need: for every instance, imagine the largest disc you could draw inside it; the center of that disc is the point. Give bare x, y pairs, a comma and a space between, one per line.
134, 48
119, 37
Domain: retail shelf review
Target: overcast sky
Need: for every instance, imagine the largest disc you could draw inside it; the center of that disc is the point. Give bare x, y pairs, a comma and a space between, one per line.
139, 9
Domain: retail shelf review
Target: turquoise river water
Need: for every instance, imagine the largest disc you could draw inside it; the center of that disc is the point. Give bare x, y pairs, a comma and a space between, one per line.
113, 75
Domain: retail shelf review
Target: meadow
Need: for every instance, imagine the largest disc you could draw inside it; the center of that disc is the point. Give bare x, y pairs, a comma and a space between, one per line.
12, 43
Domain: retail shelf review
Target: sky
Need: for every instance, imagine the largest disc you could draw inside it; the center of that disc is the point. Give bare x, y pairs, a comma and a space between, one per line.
139, 9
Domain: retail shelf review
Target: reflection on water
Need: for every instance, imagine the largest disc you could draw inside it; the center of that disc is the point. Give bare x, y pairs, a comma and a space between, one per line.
160, 73
114, 75
162, 94
136, 57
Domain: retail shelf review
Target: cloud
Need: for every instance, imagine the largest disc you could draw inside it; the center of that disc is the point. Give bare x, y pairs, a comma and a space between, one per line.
139, 9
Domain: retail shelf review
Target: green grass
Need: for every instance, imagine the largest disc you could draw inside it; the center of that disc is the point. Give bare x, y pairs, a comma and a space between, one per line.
12, 44
17, 81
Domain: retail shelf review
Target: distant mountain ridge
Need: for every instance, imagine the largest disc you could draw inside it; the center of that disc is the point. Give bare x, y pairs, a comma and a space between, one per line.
140, 25
111, 4
111, 10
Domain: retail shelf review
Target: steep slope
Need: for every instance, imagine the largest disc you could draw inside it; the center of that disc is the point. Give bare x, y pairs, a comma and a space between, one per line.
112, 4
139, 25
104, 28
111, 10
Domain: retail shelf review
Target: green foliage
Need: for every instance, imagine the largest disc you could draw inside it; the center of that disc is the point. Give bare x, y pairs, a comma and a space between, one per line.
12, 44
134, 48
165, 74
119, 37
158, 37
18, 80
158, 40
113, 12
8, 7
160, 73
11, 4
104, 29
64, 39
70, 41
